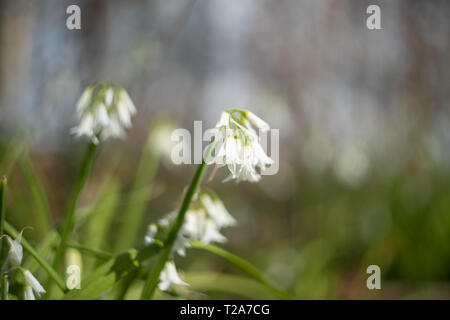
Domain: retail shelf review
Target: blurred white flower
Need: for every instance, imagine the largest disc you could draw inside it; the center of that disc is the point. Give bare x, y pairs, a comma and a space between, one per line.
201, 223
169, 276
104, 111
217, 211
15, 253
28, 293
150, 235
33, 282
237, 145
198, 225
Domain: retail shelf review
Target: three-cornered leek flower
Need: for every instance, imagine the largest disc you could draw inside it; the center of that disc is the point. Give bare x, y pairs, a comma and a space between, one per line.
169, 276
237, 145
31, 281
203, 222
15, 253
104, 110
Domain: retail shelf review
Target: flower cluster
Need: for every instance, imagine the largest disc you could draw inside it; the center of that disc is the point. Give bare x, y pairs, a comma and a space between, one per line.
104, 111
236, 144
202, 223
14, 260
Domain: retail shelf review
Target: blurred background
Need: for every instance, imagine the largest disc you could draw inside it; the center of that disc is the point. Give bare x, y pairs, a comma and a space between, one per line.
364, 118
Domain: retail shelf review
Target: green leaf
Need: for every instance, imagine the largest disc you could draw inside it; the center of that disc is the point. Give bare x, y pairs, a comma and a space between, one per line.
235, 285
38, 195
44, 249
139, 197
105, 276
243, 265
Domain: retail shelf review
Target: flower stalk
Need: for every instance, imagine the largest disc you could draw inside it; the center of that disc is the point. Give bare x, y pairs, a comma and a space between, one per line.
69, 218
153, 279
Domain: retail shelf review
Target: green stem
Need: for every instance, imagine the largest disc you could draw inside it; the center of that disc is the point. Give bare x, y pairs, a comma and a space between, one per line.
51, 272
69, 219
2, 211
5, 287
153, 278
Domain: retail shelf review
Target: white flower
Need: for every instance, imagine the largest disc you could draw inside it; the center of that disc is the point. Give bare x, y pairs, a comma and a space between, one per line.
169, 276
237, 145
217, 211
150, 235
180, 245
28, 293
33, 282
104, 111
199, 226
15, 253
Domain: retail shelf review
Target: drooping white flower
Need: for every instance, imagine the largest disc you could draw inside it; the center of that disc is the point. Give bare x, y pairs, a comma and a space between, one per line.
198, 225
28, 293
237, 145
104, 111
217, 211
15, 253
33, 282
169, 276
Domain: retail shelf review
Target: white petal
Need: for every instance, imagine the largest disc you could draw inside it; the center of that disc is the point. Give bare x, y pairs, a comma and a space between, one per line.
102, 115
169, 276
150, 235
124, 114
224, 120
15, 253
84, 101
109, 96
212, 234
217, 211
257, 121
28, 293
33, 282
127, 101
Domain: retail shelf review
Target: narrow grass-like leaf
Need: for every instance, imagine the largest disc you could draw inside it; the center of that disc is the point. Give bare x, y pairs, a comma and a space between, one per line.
242, 265
44, 249
235, 285
100, 219
38, 195
139, 197
99, 254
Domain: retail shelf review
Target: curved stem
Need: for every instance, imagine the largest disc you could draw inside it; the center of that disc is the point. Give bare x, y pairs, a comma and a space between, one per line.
153, 278
69, 219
